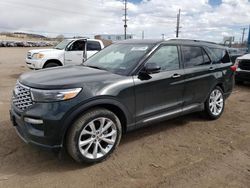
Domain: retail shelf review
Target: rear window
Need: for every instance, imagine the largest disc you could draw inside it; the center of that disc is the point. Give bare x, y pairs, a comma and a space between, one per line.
194, 56
93, 46
221, 55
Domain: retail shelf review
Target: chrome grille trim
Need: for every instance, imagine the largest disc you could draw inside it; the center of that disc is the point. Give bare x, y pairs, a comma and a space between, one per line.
22, 97
29, 55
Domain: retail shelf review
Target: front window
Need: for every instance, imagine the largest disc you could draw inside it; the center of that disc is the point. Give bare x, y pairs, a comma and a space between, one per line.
62, 45
166, 57
78, 45
119, 58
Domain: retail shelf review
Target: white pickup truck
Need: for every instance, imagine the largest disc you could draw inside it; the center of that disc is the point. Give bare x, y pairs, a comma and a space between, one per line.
67, 52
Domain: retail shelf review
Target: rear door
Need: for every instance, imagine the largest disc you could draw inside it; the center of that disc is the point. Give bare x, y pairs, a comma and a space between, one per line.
200, 74
161, 93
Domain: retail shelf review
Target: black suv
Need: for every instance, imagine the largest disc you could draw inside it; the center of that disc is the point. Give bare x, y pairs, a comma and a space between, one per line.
87, 108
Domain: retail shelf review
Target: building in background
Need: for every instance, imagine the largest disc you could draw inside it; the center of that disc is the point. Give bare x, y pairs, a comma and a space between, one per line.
113, 37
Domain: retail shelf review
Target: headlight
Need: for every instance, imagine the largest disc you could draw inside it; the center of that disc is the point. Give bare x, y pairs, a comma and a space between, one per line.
39, 95
37, 56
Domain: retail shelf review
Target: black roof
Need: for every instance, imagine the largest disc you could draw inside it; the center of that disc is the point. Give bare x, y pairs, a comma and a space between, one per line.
141, 41
171, 41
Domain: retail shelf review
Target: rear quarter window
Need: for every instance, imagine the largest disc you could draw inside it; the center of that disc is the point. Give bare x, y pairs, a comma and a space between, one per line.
221, 55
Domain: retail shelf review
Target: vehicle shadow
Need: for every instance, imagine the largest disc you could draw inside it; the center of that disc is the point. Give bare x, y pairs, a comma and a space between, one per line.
244, 85
26, 160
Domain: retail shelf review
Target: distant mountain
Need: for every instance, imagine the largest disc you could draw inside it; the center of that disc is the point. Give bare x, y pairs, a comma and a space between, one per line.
23, 35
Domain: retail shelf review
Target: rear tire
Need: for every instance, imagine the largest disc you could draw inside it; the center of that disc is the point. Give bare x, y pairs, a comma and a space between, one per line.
214, 105
94, 136
51, 64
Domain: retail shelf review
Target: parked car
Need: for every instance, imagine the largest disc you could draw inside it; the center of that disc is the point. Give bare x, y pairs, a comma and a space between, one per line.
68, 52
236, 52
127, 85
243, 69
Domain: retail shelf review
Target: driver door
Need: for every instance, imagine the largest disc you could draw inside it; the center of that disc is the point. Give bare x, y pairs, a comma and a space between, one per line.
161, 94
74, 53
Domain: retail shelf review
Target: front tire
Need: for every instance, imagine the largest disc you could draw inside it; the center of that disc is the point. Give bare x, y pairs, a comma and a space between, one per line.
94, 136
214, 105
51, 64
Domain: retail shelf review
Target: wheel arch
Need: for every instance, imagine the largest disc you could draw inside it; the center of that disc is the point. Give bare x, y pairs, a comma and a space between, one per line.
114, 106
54, 61
218, 84
221, 86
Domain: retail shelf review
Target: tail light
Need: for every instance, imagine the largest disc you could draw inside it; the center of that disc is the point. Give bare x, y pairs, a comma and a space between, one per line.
235, 66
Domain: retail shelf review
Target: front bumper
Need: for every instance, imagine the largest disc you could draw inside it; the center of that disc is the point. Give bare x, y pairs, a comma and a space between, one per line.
35, 63
242, 75
49, 134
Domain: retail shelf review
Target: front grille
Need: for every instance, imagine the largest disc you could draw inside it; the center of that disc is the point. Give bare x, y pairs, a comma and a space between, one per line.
29, 55
22, 97
244, 65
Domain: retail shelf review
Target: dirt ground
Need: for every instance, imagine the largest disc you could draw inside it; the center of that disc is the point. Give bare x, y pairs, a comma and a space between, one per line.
185, 152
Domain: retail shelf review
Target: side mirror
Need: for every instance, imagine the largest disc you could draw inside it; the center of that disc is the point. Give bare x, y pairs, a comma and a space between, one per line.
151, 68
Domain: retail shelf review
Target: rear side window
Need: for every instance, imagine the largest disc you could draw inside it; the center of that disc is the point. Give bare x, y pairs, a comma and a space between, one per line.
194, 56
93, 46
221, 55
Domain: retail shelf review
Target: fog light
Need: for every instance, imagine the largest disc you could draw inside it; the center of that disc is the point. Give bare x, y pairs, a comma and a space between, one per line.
33, 121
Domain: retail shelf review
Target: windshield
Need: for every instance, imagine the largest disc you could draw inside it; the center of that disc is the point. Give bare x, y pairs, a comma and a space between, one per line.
119, 58
62, 45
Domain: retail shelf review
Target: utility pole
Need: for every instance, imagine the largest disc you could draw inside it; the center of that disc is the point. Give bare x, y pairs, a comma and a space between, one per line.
142, 34
178, 23
163, 36
243, 34
125, 19
248, 40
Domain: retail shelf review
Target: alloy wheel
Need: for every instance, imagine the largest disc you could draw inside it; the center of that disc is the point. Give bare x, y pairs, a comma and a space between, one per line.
216, 102
97, 138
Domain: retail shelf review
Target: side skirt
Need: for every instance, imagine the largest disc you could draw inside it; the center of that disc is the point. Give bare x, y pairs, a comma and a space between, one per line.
167, 116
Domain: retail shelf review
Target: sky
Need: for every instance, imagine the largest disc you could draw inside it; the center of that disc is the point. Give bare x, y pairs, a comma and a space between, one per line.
200, 19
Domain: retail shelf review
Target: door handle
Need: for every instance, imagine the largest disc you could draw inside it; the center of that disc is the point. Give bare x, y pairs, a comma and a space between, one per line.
68, 60
211, 68
176, 76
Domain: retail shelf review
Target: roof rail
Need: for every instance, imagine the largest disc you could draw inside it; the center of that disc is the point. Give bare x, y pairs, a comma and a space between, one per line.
194, 40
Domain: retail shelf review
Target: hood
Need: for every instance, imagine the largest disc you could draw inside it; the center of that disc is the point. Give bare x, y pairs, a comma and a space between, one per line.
67, 77
48, 52
246, 56
43, 50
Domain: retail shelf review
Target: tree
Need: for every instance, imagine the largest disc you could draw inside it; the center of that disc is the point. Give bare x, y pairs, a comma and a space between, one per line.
60, 37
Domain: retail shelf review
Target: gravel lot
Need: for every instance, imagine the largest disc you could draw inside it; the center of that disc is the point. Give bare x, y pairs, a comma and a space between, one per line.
185, 152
